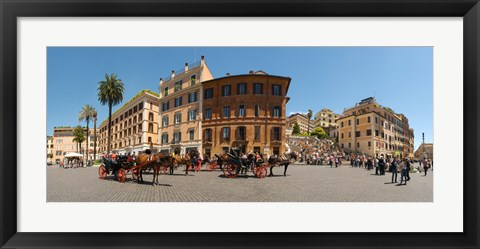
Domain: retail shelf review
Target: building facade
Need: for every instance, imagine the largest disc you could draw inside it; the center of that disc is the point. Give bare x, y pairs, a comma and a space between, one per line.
368, 128
302, 120
134, 125
326, 118
246, 111
62, 142
50, 149
180, 109
425, 150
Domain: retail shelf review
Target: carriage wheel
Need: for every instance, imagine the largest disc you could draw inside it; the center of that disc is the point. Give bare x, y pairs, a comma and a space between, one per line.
102, 172
121, 175
135, 174
261, 171
230, 170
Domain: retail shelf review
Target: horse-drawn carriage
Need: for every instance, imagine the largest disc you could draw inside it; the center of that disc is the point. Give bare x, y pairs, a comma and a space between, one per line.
120, 166
237, 163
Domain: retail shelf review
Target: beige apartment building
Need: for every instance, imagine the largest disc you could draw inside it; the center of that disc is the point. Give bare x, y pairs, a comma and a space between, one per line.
302, 120
134, 125
326, 119
368, 128
180, 109
62, 142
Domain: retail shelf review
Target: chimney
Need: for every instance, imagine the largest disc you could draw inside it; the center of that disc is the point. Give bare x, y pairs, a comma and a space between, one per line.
186, 67
161, 81
202, 61
251, 71
173, 74
228, 74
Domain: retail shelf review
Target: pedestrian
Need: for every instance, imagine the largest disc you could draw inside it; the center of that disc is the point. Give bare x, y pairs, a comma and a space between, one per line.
336, 162
425, 166
381, 165
375, 162
393, 169
404, 173
409, 166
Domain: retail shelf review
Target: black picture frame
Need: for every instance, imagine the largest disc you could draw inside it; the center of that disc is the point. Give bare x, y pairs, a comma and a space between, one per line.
10, 10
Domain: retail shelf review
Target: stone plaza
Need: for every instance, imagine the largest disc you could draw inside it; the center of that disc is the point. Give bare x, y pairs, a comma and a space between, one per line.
303, 183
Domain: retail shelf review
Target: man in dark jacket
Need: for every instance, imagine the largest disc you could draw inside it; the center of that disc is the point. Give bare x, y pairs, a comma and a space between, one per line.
381, 165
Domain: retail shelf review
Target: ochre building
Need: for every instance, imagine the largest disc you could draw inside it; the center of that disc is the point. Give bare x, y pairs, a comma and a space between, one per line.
245, 110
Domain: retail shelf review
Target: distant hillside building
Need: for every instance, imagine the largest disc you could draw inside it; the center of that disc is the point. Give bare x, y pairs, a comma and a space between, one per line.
368, 128
302, 120
424, 151
63, 143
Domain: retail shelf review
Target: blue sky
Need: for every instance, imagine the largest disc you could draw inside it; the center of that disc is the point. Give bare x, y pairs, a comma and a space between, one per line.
333, 77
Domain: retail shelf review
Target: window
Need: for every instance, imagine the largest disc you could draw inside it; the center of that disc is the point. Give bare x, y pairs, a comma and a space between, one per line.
134, 109
242, 133
121, 117
368, 119
165, 91
342, 135
177, 137
376, 120
177, 118
178, 86
257, 110
140, 106
129, 113
208, 113
192, 97
191, 134
226, 134
150, 116
226, 111
376, 133
257, 133
276, 133
257, 88
208, 135
193, 79
149, 140
241, 111
358, 121
226, 90
349, 134
358, 145
139, 128
342, 146
165, 121
134, 130
165, 106
178, 102
208, 93
276, 112
357, 134
140, 117
192, 115
276, 90
129, 122
369, 132
242, 88
165, 138
349, 145
341, 124
349, 122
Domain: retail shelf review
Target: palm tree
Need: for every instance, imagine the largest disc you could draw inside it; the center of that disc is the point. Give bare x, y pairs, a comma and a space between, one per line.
78, 137
309, 115
110, 92
86, 114
94, 134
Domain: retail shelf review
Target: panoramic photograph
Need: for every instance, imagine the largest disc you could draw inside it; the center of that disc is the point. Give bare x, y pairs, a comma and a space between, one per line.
239, 124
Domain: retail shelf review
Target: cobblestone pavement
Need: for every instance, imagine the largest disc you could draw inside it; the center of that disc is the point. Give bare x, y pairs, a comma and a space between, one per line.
302, 184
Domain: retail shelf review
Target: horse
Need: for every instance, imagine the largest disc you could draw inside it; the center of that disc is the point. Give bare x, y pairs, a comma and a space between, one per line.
194, 156
185, 160
284, 160
152, 161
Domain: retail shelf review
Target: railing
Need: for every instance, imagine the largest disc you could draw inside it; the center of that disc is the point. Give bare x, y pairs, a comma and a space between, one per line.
182, 70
